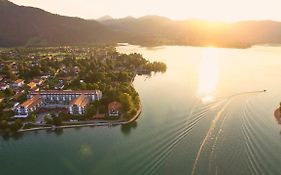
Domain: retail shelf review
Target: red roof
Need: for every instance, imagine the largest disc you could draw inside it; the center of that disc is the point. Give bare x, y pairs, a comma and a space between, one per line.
114, 106
19, 81
32, 102
82, 101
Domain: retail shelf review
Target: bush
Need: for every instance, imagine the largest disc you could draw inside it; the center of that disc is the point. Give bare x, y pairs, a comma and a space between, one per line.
32, 117
16, 125
3, 124
64, 116
134, 112
91, 111
48, 120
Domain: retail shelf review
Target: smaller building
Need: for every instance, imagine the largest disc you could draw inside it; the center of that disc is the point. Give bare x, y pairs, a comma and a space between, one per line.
38, 81
114, 109
4, 86
32, 86
30, 105
18, 83
78, 105
59, 85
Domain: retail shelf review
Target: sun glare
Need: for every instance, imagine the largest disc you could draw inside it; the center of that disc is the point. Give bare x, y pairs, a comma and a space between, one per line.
208, 74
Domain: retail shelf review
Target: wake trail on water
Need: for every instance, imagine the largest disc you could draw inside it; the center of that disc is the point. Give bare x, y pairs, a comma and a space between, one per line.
214, 124
209, 133
167, 139
194, 117
216, 140
251, 131
176, 133
253, 164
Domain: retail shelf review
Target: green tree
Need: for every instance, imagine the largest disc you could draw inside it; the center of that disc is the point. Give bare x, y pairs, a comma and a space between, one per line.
32, 117
57, 121
126, 101
16, 125
91, 111
3, 124
48, 120
64, 116
9, 74
9, 92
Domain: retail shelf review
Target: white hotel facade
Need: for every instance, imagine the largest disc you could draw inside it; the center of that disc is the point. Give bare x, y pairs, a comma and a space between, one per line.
75, 101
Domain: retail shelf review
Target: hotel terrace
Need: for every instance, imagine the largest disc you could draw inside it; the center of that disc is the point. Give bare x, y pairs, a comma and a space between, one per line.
75, 101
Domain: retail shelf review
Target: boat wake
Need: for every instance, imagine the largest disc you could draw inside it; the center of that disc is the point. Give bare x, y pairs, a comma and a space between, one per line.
169, 137
213, 126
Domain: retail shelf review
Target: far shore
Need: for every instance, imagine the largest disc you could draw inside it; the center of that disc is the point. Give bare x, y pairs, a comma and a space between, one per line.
277, 115
88, 123
230, 46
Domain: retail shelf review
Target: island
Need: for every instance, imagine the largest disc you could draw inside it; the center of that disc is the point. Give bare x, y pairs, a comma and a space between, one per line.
277, 114
70, 86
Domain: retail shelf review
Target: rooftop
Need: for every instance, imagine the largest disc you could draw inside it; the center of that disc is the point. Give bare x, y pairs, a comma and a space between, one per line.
32, 102
114, 106
31, 84
82, 101
19, 81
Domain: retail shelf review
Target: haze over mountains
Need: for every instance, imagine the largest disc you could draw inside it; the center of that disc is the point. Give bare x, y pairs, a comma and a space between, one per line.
28, 26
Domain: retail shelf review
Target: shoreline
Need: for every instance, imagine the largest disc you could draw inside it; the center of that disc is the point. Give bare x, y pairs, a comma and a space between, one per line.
229, 46
90, 123
277, 115
87, 124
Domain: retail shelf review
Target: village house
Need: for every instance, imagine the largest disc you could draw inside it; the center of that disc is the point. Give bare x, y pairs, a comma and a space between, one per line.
38, 81
59, 85
4, 86
18, 83
114, 109
14, 67
32, 86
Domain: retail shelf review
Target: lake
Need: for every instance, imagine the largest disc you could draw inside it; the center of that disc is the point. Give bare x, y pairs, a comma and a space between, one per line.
208, 114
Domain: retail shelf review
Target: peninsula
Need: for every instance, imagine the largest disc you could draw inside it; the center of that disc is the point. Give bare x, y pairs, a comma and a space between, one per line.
61, 87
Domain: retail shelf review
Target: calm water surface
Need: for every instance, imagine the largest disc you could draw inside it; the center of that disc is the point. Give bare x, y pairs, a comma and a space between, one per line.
207, 114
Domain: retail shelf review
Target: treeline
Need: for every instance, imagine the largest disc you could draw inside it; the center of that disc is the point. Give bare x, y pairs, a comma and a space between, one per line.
156, 67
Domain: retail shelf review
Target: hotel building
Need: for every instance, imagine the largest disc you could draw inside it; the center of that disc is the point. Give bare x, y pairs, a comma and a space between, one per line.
75, 101
78, 105
29, 106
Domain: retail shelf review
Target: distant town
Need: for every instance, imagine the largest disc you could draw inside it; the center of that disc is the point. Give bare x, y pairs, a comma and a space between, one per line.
56, 87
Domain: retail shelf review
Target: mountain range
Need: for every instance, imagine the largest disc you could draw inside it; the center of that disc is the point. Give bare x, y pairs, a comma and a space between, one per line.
28, 26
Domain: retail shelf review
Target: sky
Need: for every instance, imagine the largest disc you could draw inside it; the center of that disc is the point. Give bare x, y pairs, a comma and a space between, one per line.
223, 10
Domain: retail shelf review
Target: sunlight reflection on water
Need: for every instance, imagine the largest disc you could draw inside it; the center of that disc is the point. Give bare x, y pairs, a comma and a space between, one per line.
208, 74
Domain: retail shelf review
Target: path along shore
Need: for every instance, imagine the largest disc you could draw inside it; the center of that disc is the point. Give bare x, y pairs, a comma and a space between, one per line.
88, 123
